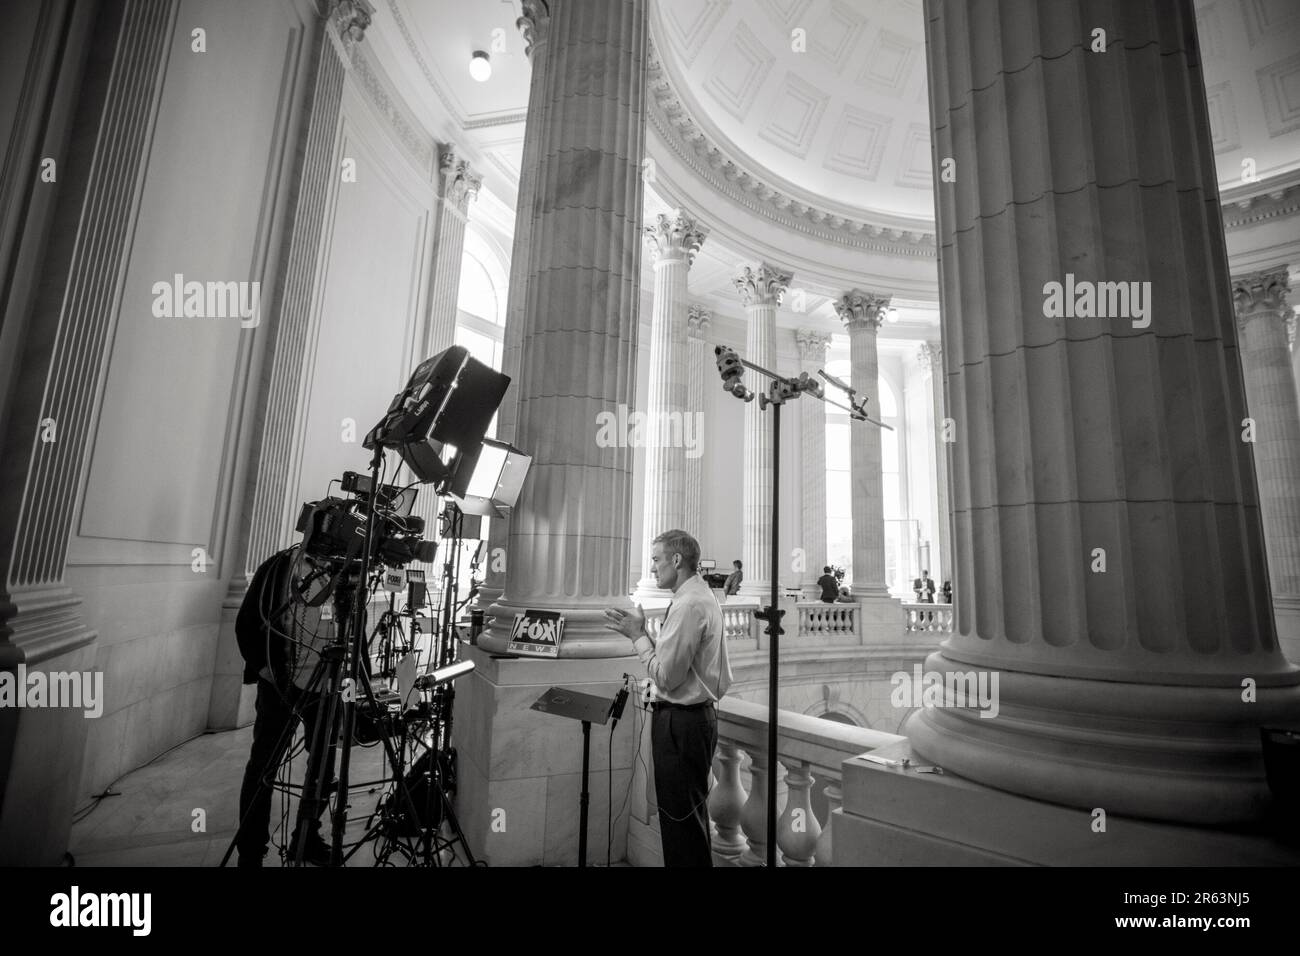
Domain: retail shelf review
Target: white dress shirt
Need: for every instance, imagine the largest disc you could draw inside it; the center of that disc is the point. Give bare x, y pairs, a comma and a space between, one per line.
688, 664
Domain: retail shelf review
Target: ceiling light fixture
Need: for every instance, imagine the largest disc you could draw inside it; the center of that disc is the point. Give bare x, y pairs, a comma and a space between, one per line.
480, 67
892, 315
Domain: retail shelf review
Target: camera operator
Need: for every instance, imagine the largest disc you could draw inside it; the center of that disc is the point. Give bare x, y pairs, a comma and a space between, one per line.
280, 640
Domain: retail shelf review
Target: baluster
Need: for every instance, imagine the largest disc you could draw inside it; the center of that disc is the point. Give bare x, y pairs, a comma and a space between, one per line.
834, 800
753, 816
726, 803
797, 830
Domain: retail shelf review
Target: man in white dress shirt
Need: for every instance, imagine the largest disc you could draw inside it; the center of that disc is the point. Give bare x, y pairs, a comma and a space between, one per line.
690, 671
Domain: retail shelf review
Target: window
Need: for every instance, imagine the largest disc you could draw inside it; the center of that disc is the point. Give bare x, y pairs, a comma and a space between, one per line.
478, 295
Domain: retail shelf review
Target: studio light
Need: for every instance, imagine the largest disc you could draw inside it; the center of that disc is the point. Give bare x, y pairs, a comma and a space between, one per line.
438, 421
892, 315
495, 482
480, 67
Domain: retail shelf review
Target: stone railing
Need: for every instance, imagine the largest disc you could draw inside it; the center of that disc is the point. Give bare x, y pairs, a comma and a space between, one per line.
811, 750
934, 618
738, 622
823, 620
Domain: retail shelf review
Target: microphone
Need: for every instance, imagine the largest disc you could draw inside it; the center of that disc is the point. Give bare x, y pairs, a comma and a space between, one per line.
836, 382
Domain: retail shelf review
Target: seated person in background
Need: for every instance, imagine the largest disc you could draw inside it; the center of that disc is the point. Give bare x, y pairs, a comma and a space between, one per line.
734, 579
946, 591
830, 587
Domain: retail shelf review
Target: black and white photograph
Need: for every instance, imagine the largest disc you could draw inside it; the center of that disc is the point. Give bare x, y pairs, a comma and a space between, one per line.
640, 434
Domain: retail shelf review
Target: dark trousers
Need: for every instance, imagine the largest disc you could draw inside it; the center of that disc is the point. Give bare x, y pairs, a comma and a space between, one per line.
683, 742
273, 732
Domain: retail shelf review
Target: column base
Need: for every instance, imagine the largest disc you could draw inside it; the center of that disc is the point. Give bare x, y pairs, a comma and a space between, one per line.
585, 636
42, 749
871, 592
1184, 754
894, 817
1286, 613
520, 771
232, 704
649, 595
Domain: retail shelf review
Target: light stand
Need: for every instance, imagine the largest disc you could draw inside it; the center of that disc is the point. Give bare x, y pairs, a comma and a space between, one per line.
782, 389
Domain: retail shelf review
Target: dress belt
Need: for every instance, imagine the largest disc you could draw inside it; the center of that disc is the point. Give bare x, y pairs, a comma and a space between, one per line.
669, 705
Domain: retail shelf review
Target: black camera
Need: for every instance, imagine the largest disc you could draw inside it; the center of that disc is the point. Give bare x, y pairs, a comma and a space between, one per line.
334, 529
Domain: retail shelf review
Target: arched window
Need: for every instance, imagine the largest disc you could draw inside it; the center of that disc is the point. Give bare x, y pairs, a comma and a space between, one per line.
478, 295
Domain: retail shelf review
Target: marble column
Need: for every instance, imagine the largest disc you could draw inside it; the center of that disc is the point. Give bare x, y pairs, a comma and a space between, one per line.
862, 314
674, 240
534, 25
812, 463
931, 358
1271, 401
1109, 550
699, 363
274, 502
568, 544
457, 185
104, 103
761, 291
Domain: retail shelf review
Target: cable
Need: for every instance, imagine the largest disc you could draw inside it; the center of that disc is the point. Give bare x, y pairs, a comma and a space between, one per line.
609, 810
85, 811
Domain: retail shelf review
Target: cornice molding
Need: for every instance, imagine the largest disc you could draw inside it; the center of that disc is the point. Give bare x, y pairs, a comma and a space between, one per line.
724, 174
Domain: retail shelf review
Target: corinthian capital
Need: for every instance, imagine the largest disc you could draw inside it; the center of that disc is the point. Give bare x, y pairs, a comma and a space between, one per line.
350, 18
675, 237
1259, 292
930, 356
460, 183
858, 309
765, 285
534, 24
698, 322
812, 344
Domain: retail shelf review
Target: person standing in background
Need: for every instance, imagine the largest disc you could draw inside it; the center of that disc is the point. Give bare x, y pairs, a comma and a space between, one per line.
733, 580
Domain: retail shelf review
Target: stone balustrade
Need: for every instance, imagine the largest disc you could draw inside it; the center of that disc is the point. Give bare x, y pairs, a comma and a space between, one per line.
817, 622
930, 618
810, 751
817, 619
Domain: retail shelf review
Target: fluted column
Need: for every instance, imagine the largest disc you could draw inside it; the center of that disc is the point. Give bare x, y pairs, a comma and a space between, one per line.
458, 184
1262, 314
568, 545
862, 313
761, 291
57, 335
812, 462
275, 503
1110, 559
931, 357
535, 27
699, 359
674, 240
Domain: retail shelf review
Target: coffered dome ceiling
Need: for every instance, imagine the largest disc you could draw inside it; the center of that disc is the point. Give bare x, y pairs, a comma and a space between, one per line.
823, 100
802, 125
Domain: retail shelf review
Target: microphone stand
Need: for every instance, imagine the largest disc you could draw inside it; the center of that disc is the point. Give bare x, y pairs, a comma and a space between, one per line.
781, 390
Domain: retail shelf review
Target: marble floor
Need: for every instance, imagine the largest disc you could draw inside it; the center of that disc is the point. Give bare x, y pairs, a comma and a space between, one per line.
152, 821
